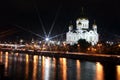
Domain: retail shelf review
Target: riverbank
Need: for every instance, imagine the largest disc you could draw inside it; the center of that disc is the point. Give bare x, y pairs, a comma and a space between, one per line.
73, 55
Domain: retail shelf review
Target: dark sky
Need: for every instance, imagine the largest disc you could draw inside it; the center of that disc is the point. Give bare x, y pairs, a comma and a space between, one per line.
27, 14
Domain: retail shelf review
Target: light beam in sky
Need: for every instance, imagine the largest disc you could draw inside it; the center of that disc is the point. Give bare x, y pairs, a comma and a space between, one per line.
43, 28
29, 31
54, 22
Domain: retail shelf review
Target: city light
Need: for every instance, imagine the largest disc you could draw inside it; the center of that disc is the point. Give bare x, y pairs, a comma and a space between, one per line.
118, 45
47, 39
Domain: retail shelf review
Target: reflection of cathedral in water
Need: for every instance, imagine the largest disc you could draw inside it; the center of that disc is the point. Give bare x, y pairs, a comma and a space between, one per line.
82, 32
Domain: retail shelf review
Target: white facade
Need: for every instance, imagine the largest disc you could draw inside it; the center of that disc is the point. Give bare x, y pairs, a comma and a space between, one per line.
82, 32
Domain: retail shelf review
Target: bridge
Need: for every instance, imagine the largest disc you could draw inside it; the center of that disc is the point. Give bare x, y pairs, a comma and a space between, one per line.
12, 45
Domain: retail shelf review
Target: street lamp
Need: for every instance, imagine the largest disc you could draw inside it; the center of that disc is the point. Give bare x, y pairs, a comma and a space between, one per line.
118, 45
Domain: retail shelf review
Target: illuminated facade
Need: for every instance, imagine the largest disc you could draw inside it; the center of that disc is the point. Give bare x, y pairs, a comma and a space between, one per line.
82, 31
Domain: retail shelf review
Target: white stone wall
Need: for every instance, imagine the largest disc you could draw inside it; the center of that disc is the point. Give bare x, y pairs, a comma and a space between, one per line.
91, 36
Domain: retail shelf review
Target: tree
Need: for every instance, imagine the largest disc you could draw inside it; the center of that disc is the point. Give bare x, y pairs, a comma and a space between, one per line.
83, 44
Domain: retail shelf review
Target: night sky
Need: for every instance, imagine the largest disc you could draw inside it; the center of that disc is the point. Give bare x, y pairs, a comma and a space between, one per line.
28, 14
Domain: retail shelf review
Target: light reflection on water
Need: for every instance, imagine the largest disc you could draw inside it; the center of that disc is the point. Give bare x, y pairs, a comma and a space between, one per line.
27, 66
63, 69
118, 72
6, 63
1, 56
78, 69
43, 68
35, 64
99, 71
47, 69
34, 67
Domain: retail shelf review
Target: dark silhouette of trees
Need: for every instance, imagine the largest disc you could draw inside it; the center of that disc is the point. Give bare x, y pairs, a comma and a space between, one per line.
83, 44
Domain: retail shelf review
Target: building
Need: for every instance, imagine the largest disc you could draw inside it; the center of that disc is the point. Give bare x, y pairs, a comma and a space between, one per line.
82, 31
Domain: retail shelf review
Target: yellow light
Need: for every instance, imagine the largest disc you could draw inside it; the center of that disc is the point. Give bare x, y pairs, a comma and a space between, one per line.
27, 58
1, 53
6, 62
118, 72
27, 66
99, 71
63, 67
99, 45
35, 64
118, 45
88, 49
78, 68
16, 54
95, 50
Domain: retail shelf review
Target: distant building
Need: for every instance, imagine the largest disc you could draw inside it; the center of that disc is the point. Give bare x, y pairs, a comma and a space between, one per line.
82, 31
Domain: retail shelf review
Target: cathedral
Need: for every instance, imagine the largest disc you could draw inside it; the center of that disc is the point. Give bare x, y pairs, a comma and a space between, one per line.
82, 31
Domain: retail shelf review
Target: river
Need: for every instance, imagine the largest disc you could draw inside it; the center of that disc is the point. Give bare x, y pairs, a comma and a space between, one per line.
35, 67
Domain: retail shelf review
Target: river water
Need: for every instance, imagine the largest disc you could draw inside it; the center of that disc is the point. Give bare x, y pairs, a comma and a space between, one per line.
36, 67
